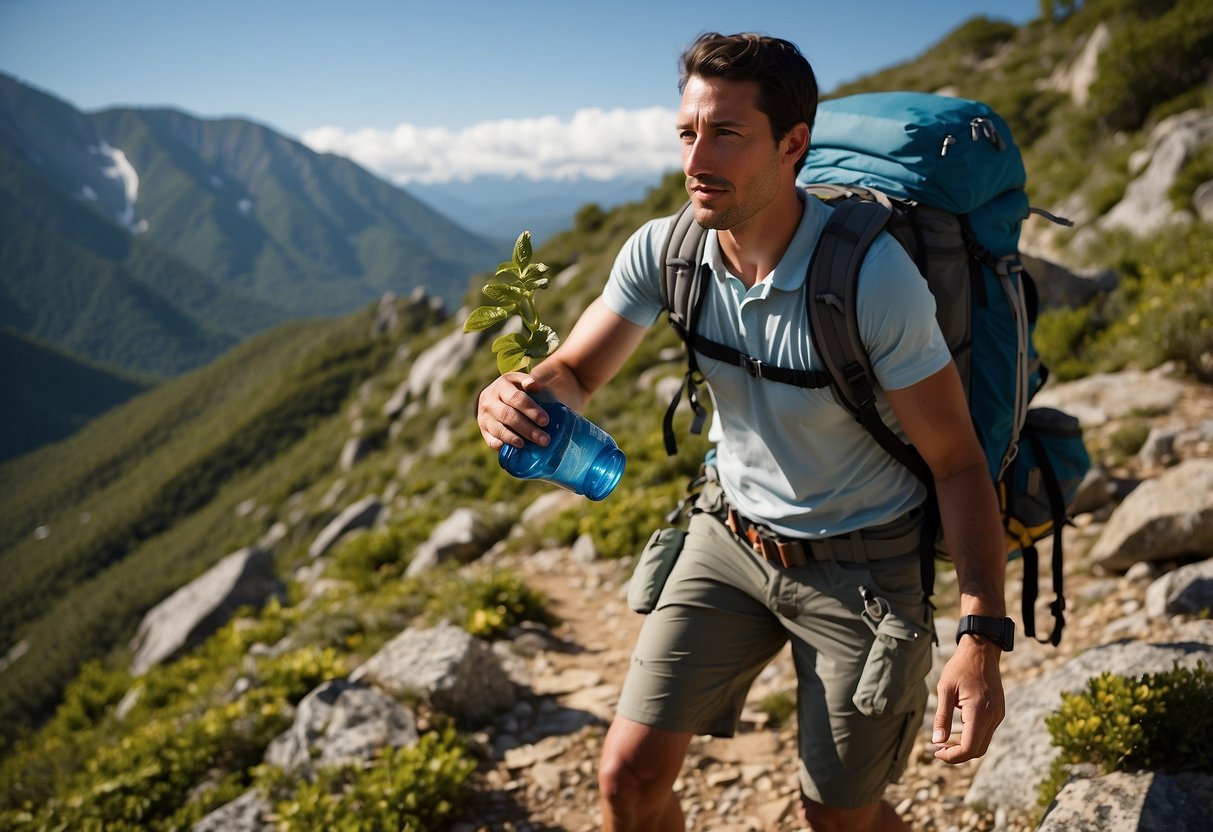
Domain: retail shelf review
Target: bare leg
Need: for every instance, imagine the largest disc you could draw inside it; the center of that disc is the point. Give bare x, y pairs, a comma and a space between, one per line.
636, 778
875, 817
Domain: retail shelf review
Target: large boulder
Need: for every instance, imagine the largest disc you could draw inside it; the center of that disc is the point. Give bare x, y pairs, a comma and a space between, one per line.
1167, 518
1096, 399
198, 609
447, 667
1142, 801
1021, 752
342, 722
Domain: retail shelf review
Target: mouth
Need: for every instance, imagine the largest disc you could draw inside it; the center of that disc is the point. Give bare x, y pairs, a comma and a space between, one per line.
706, 190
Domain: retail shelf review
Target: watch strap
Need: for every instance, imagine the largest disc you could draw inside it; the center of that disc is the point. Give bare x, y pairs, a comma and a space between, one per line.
1001, 631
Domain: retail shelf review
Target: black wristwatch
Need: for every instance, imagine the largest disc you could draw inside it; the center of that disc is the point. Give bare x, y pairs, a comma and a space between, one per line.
1001, 631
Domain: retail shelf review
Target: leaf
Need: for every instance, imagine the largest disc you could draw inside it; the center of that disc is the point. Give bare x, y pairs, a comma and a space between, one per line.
509, 267
522, 249
504, 293
512, 359
543, 342
483, 317
513, 340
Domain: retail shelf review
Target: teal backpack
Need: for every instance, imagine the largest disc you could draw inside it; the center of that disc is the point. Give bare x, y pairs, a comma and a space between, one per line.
944, 178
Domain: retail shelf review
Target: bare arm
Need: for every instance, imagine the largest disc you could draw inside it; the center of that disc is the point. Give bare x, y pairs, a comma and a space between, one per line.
593, 353
936, 420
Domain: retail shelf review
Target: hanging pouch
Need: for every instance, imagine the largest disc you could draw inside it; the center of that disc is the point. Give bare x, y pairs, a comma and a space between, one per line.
656, 561
897, 663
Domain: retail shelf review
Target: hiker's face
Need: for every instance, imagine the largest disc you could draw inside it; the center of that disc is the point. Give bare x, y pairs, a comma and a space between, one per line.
729, 154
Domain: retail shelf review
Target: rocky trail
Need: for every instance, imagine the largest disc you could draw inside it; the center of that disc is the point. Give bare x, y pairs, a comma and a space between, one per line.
539, 773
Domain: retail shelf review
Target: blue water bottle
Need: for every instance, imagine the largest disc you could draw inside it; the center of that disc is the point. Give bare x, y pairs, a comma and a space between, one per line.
581, 456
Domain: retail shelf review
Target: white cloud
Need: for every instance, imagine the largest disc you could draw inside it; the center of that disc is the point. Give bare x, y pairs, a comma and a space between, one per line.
599, 144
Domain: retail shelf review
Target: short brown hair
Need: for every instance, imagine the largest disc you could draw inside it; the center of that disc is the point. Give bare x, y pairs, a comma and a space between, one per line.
787, 85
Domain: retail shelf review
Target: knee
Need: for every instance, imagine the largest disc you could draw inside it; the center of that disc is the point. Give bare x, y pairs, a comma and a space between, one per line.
618, 780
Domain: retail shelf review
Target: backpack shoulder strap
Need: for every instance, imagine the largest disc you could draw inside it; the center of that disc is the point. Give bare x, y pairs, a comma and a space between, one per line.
681, 290
832, 285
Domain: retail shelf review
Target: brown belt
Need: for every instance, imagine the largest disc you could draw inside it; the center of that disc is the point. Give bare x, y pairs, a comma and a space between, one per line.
888, 540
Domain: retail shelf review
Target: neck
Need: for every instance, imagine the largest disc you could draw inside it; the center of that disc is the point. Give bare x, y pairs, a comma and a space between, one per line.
753, 248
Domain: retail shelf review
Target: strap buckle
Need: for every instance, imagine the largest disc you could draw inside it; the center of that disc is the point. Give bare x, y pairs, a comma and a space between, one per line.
752, 366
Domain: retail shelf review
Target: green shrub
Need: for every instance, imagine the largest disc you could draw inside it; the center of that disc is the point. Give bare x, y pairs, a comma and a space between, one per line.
487, 606
1154, 722
414, 789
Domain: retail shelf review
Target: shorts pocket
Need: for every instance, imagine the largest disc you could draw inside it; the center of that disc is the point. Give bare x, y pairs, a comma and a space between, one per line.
656, 560
897, 663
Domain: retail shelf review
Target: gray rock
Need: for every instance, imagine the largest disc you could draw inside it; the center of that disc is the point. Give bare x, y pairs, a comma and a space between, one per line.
1164, 518
433, 368
1060, 288
463, 536
1186, 591
447, 667
1146, 207
359, 515
1021, 751
354, 449
248, 813
387, 318
1094, 492
198, 609
342, 722
1133, 802
1202, 201
1096, 399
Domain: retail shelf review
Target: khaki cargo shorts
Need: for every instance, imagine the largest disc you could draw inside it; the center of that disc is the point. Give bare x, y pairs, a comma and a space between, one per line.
861, 659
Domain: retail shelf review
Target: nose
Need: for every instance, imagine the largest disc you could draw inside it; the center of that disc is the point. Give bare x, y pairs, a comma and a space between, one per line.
696, 157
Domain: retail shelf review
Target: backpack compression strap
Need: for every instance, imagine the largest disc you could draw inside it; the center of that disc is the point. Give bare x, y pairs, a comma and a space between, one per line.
1057, 504
682, 291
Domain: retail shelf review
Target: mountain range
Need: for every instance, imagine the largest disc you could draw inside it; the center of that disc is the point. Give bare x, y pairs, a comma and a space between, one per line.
152, 241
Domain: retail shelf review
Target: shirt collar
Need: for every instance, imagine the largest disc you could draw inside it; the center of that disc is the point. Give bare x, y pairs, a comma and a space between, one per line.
789, 274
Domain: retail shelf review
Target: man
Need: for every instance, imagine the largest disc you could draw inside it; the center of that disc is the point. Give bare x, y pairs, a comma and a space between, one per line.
794, 465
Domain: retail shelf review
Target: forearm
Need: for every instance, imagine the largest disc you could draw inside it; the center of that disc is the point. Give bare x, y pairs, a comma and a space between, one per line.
969, 511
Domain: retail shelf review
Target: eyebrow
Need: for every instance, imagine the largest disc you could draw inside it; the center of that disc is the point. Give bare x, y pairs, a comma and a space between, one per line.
723, 122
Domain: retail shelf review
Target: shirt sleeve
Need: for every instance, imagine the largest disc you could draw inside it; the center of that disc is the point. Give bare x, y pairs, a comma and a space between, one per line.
897, 318
633, 290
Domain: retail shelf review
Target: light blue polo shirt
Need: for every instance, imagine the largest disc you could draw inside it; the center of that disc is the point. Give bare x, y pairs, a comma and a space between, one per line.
792, 457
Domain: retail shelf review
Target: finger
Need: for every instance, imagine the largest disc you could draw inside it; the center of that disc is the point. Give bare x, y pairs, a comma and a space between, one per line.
943, 716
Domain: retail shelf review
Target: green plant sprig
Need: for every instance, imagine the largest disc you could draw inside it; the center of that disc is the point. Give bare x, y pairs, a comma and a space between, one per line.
515, 350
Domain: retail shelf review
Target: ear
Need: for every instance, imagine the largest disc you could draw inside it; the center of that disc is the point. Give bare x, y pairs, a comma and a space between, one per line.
795, 142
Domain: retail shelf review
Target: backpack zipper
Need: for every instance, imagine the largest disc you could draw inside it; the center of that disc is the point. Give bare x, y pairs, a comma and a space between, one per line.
987, 129
948, 141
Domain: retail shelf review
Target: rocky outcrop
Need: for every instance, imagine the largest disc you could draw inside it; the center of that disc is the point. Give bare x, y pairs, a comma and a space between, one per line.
1146, 207
198, 609
340, 723
461, 537
1096, 399
446, 667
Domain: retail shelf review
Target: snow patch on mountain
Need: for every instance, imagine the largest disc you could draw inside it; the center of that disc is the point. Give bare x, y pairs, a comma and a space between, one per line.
117, 166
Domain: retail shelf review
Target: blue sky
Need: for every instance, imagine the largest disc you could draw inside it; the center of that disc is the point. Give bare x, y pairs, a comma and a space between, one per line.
428, 91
